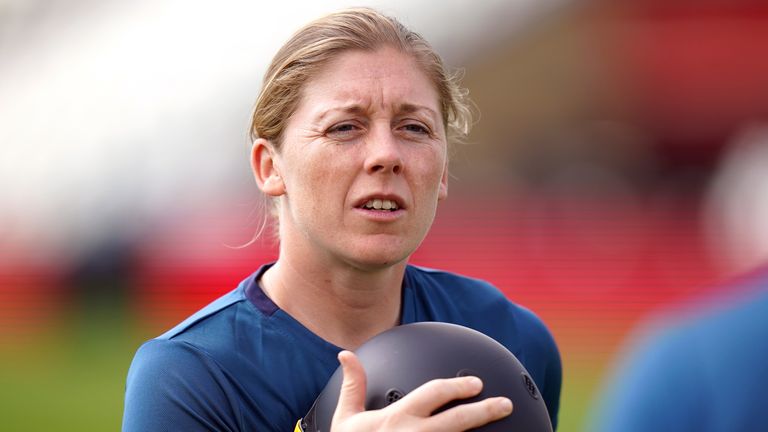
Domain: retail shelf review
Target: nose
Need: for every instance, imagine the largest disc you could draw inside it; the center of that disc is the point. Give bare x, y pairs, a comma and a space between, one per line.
383, 153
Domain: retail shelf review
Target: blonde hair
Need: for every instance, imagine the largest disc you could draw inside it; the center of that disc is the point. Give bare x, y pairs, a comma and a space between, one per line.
324, 39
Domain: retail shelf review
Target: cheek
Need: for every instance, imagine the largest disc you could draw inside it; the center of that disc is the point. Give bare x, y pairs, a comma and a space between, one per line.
316, 180
432, 169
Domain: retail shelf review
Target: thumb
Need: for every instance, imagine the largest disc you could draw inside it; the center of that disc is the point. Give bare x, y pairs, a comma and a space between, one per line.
352, 396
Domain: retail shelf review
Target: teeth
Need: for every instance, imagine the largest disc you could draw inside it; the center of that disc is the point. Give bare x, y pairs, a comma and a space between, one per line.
379, 204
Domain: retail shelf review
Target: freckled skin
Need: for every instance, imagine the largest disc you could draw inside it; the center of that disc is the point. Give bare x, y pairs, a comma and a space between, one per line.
368, 123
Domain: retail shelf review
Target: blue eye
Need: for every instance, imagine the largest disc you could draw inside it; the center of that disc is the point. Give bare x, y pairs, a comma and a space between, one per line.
343, 128
344, 131
416, 128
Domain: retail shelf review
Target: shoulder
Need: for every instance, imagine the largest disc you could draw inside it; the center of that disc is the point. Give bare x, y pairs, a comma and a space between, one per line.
182, 380
161, 360
218, 328
186, 356
219, 306
189, 343
474, 300
173, 385
449, 297
440, 284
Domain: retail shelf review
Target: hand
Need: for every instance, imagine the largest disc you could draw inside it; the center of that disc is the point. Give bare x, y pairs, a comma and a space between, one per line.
413, 412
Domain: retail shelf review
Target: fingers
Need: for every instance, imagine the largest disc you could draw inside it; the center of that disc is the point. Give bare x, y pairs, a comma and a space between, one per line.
414, 411
436, 393
352, 395
471, 415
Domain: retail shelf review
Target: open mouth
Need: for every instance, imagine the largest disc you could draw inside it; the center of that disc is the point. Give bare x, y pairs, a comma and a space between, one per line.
381, 205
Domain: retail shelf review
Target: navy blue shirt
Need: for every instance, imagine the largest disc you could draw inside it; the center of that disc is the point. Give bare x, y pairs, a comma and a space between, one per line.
243, 364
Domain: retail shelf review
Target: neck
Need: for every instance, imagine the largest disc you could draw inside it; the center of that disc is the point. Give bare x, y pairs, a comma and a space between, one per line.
340, 303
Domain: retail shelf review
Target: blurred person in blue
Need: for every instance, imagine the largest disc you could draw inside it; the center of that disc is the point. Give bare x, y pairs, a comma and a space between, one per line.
703, 368
703, 373
351, 135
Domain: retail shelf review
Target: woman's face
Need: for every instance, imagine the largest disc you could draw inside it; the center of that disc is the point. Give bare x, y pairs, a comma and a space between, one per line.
363, 161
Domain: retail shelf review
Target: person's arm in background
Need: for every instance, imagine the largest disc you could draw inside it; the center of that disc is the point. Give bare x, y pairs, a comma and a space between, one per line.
656, 388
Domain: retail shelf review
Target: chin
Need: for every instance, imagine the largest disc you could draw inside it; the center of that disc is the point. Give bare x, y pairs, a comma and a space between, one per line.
378, 258
377, 262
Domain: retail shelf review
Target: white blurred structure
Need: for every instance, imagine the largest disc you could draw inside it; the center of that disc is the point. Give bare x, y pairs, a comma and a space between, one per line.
113, 113
736, 209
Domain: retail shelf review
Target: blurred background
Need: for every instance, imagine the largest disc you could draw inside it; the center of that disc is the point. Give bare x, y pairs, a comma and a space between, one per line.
619, 168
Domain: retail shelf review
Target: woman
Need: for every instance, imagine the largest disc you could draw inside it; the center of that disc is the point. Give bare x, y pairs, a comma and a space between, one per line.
350, 141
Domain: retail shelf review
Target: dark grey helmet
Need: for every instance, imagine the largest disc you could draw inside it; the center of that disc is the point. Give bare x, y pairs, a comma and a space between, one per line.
401, 359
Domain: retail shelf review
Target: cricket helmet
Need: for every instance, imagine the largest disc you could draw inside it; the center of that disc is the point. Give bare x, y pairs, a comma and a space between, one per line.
401, 359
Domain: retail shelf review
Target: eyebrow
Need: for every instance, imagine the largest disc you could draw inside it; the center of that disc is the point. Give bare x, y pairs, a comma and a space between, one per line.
404, 108
408, 108
349, 109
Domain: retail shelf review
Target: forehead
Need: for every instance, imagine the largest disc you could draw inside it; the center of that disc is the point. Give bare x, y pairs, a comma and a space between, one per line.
371, 79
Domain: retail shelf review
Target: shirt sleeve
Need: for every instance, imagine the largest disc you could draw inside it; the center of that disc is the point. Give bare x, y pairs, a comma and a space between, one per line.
552, 386
173, 386
542, 359
552, 372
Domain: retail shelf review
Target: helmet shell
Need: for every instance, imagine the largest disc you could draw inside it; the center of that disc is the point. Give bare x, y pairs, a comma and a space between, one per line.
401, 359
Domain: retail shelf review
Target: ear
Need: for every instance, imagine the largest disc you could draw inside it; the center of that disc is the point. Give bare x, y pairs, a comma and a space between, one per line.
265, 169
442, 193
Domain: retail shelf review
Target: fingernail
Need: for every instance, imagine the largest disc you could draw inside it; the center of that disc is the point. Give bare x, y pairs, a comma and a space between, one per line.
504, 405
475, 383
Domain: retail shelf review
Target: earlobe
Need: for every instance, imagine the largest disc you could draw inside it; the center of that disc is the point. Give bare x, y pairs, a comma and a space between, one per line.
442, 192
265, 169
